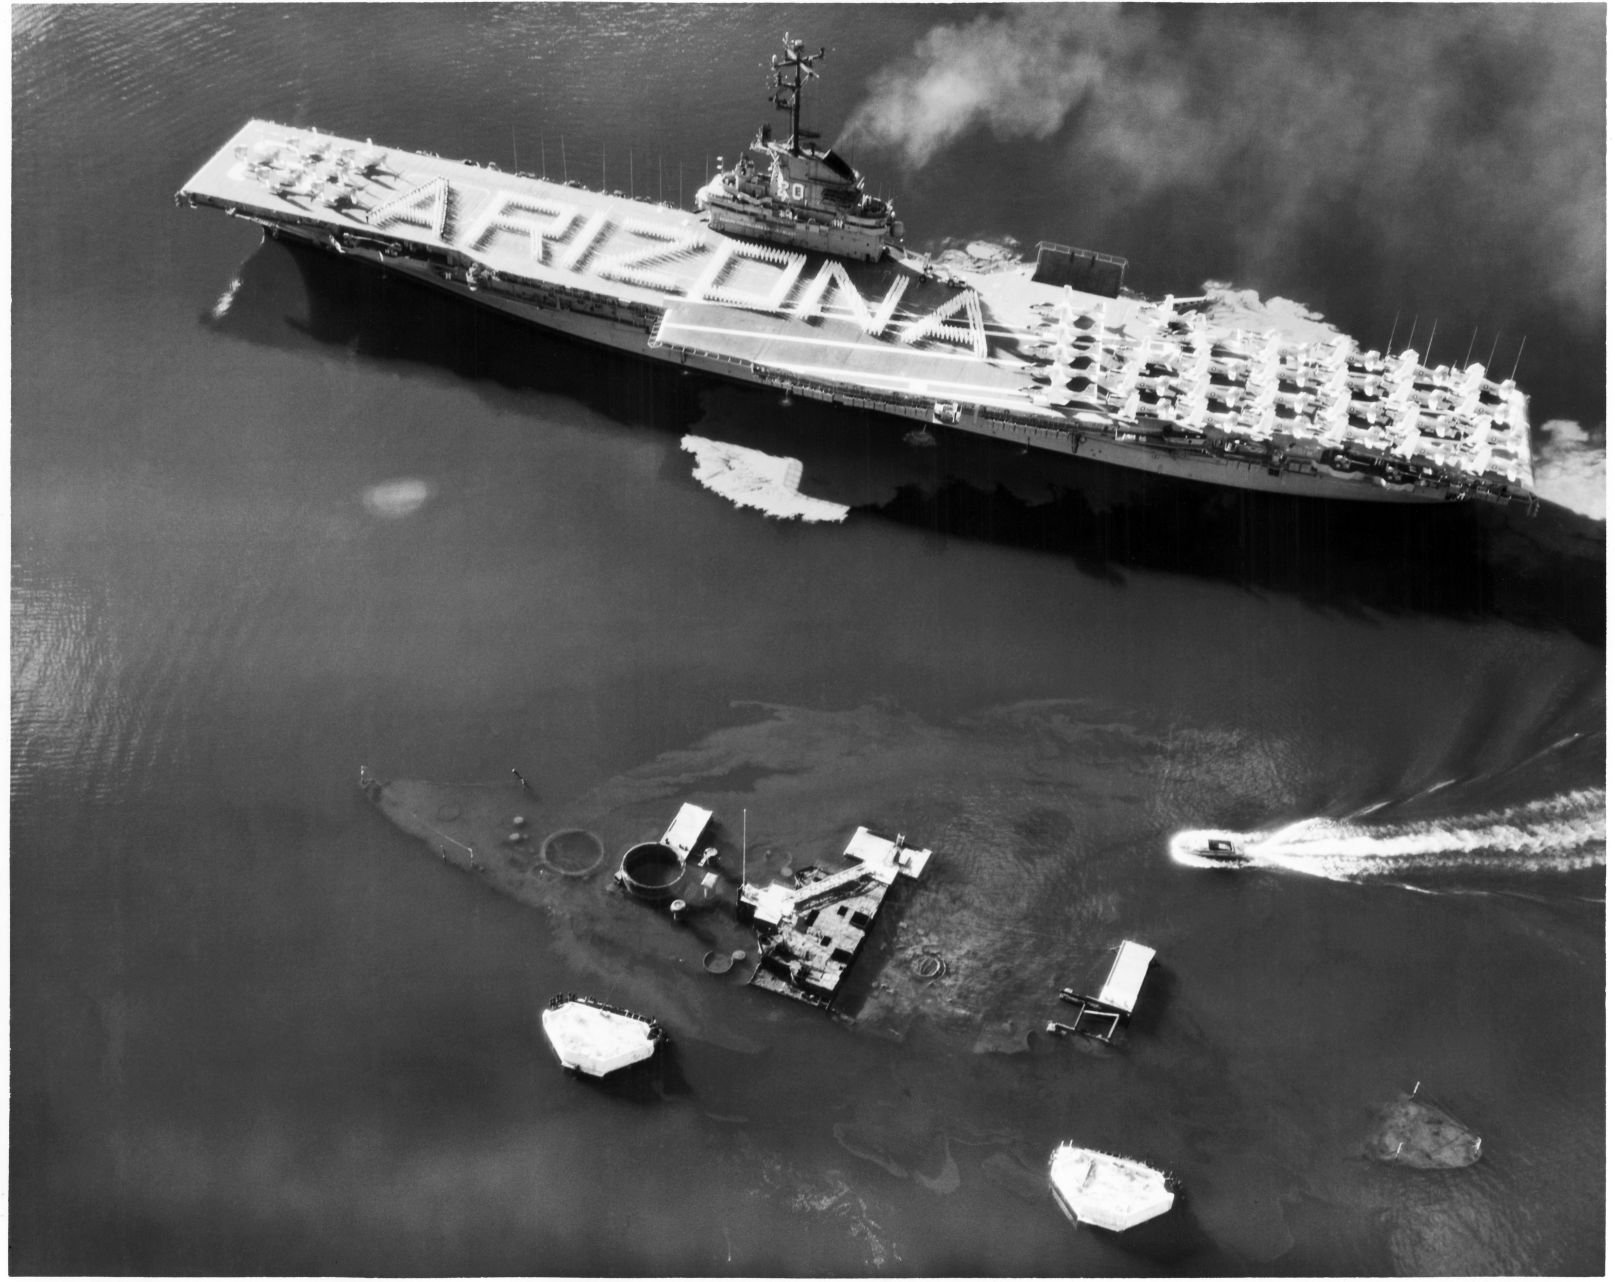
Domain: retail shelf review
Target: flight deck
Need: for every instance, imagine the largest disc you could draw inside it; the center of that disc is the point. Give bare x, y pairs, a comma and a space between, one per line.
1169, 386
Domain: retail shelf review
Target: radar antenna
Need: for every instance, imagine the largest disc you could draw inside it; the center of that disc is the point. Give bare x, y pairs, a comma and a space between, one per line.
787, 80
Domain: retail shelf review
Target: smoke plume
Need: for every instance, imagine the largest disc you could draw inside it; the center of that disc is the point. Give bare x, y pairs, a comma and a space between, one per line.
1021, 76
1316, 117
1570, 468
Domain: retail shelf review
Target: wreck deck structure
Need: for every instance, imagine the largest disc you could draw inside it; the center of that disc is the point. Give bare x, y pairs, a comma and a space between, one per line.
811, 931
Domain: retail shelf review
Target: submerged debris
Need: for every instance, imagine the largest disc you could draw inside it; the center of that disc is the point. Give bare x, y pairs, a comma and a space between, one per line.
982, 919
1412, 1132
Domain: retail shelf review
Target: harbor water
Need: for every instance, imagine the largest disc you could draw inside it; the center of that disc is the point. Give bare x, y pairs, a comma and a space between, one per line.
276, 515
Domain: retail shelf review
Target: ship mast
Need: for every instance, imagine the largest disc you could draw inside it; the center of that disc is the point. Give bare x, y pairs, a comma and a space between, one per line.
787, 88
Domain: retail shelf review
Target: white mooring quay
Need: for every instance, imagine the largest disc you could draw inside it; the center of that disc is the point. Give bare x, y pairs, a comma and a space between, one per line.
593, 1038
1108, 1192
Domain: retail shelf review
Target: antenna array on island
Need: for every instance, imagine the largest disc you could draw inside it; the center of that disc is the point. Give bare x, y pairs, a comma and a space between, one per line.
787, 92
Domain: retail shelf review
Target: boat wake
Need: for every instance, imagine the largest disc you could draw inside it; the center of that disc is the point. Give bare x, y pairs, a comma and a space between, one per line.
1559, 834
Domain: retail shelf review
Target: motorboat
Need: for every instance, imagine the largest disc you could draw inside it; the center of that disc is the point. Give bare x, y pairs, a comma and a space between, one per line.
1210, 849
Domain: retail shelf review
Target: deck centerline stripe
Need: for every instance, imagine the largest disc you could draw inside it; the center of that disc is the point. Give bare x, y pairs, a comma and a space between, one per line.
814, 341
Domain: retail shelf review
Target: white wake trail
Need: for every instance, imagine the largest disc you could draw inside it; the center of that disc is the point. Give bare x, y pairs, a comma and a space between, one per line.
1557, 834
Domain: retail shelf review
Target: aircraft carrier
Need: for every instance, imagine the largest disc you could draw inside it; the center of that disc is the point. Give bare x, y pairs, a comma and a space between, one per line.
790, 275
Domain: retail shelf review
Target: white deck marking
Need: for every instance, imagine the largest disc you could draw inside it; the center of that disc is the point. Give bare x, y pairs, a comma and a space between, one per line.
812, 340
979, 393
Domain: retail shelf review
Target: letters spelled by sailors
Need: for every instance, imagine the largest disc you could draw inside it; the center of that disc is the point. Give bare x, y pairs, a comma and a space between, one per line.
561, 235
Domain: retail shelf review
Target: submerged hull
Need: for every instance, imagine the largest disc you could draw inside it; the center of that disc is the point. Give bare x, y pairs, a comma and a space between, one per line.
956, 352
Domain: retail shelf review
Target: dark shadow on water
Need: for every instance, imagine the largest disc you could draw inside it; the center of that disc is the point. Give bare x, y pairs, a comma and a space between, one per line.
1173, 1244
1462, 561
294, 297
1157, 996
658, 1080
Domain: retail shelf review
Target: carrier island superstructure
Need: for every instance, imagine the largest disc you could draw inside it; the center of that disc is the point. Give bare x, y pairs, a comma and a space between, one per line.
789, 275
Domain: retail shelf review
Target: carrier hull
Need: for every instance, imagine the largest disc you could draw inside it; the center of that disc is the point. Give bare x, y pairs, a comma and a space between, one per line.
961, 351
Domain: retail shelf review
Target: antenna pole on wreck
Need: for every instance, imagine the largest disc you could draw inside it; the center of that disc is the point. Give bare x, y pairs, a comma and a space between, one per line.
742, 849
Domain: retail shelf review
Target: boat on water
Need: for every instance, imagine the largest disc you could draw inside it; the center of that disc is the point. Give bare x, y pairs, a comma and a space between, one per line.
1106, 1191
790, 275
595, 1039
1202, 849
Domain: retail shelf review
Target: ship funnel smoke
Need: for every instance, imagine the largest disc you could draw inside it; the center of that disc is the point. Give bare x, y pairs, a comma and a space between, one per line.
1021, 76
1308, 118
1560, 834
